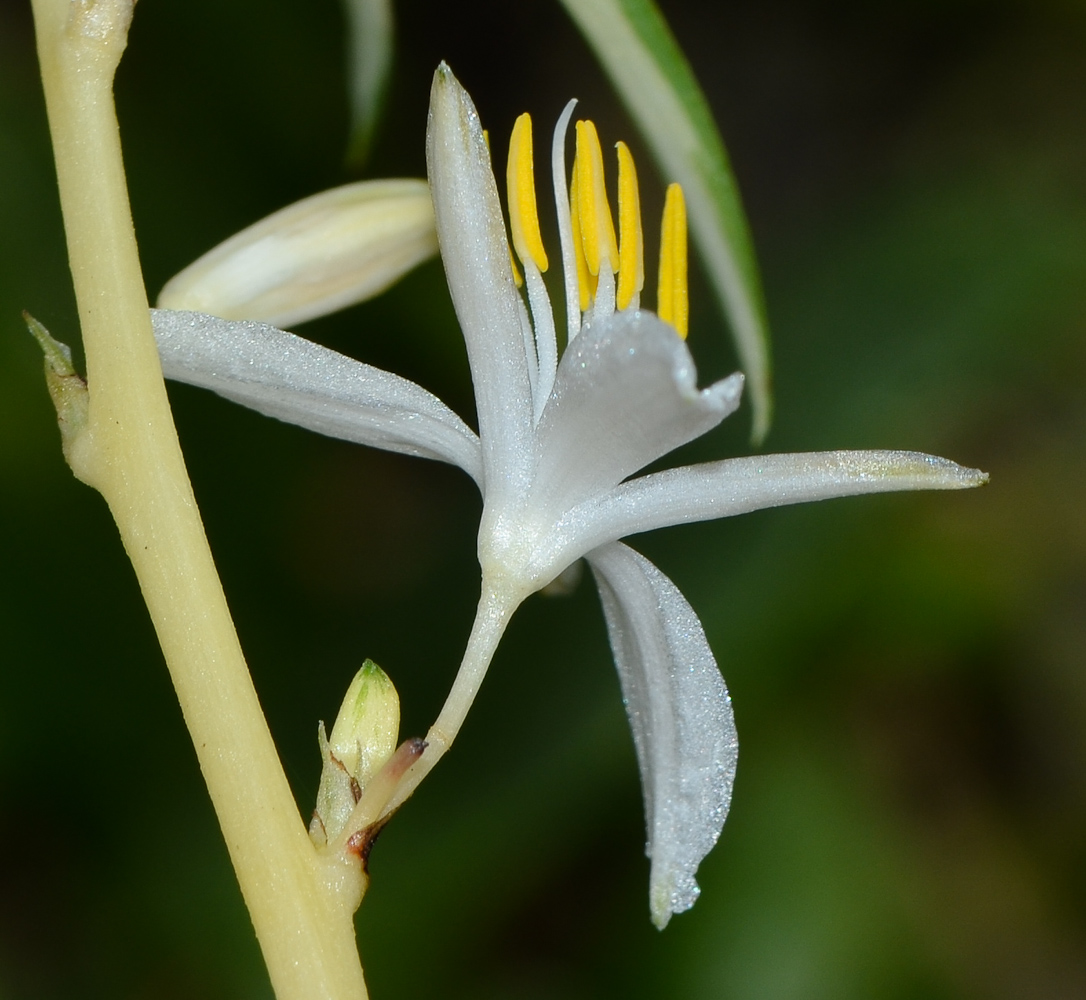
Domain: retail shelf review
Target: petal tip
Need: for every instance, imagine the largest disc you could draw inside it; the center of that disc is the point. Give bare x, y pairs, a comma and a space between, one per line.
443, 74
445, 82
942, 473
727, 393
666, 899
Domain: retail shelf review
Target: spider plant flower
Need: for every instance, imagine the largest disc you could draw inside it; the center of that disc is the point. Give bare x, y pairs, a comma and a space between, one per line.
560, 442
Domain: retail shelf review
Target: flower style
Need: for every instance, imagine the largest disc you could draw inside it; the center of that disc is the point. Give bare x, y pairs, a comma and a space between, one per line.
558, 442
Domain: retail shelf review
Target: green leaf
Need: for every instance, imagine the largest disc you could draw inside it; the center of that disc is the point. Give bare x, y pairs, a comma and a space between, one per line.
370, 30
653, 78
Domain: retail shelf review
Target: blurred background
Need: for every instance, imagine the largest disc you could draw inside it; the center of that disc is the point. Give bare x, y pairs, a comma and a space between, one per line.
908, 672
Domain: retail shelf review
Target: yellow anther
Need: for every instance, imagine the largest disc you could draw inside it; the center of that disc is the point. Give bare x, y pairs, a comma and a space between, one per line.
517, 276
631, 245
586, 284
671, 301
597, 229
512, 260
520, 191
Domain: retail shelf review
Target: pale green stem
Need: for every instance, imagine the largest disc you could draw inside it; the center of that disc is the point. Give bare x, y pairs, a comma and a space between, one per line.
496, 607
301, 906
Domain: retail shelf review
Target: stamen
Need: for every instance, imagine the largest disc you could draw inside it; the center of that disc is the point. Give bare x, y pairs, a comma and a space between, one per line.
586, 283
531, 356
672, 305
597, 229
516, 271
565, 223
631, 246
604, 305
546, 343
520, 189
524, 226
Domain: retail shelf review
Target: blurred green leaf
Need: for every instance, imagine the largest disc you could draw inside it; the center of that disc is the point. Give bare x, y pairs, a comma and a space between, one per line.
370, 31
640, 54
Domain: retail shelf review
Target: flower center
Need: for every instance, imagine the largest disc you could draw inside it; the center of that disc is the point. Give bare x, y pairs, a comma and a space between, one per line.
601, 273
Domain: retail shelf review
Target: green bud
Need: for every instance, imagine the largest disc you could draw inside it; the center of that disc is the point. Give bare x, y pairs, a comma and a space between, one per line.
363, 739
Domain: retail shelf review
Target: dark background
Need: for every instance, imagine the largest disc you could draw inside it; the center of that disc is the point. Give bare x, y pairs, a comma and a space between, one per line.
908, 672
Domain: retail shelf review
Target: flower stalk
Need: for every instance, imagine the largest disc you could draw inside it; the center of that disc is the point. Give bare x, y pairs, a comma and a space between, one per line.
128, 450
496, 607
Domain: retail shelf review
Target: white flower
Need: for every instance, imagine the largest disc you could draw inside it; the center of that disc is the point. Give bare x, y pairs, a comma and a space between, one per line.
558, 442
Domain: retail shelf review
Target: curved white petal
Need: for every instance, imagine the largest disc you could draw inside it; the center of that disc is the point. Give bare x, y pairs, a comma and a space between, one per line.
625, 394
681, 717
471, 234
738, 485
284, 376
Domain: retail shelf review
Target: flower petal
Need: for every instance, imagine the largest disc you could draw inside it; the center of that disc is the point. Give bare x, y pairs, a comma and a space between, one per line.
625, 394
292, 379
738, 485
681, 717
314, 257
471, 234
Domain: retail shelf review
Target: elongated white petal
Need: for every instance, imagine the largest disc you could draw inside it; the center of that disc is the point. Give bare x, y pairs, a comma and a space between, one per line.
625, 394
681, 717
471, 233
738, 485
295, 380
314, 257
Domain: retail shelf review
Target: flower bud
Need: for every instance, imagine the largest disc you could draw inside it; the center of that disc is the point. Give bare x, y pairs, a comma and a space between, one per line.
363, 739
314, 257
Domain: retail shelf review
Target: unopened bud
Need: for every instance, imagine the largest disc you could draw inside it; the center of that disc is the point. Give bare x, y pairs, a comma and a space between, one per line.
363, 739
314, 257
